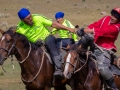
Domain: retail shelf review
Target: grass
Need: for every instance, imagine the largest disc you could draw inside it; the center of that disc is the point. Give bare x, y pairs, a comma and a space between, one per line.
10, 80
79, 12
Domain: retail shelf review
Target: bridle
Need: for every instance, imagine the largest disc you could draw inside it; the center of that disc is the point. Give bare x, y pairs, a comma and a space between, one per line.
14, 46
78, 59
8, 56
9, 51
73, 65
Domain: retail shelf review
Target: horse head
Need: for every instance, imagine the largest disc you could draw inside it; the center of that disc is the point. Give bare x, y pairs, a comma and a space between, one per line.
75, 56
6, 44
15, 43
72, 60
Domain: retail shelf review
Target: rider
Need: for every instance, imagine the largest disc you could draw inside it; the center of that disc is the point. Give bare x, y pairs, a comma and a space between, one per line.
34, 27
64, 35
105, 33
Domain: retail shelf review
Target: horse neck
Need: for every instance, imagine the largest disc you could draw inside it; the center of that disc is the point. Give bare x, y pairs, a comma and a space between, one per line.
22, 53
87, 70
33, 59
84, 68
28, 56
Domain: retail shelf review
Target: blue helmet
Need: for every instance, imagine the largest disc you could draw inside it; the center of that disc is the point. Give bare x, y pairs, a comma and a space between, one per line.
59, 15
23, 13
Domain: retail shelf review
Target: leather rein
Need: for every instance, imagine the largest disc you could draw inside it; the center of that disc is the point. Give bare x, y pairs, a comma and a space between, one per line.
9, 52
78, 59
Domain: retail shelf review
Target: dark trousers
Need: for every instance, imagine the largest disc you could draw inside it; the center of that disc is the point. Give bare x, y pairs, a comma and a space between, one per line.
54, 44
51, 45
64, 42
103, 63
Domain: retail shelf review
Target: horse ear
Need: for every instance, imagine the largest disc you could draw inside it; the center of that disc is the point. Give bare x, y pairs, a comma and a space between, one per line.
79, 47
13, 28
68, 47
1, 31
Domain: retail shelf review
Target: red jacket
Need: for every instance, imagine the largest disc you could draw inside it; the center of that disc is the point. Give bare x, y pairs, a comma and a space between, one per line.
105, 33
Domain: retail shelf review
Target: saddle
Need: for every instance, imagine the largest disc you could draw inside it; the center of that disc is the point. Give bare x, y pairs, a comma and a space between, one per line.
41, 44
62, 45
115, 66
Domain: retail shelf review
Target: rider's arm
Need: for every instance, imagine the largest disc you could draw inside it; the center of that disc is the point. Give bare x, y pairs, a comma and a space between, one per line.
60, 26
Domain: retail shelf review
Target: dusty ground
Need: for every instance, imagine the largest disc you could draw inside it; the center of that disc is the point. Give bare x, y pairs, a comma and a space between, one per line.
79, 12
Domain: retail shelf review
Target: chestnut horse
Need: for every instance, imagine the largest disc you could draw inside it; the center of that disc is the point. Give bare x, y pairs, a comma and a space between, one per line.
36, 69
83, 70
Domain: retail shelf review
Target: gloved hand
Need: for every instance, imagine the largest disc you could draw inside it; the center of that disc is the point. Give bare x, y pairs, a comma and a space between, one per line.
77, 26
90, 39
80, 32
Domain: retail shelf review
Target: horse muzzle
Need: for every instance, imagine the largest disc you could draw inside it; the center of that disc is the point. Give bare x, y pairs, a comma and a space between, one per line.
2, 59
67, 75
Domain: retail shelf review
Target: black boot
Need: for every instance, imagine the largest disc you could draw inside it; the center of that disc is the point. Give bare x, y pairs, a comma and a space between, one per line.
111, 84
58, 74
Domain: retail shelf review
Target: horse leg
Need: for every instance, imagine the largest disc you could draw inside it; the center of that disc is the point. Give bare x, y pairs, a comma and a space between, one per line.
27, 88
72, 84
42, 88
79, 86
62, 87
75, 85
47, 88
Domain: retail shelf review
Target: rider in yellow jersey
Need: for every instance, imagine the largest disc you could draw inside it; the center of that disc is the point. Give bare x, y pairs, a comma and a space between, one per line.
36, 31
59, 16
34, 27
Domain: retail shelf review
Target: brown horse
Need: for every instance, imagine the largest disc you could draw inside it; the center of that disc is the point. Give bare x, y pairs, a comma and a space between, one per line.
36, 69
84, 71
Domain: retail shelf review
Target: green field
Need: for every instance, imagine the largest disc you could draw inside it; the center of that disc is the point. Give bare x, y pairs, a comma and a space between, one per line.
79, 12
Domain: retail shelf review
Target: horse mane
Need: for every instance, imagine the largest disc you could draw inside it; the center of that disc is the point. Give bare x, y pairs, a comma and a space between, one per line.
91, 64
79, 50
22, 38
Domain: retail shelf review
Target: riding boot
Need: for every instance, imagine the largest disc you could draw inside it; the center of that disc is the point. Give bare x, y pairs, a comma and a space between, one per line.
111, 84
58, 67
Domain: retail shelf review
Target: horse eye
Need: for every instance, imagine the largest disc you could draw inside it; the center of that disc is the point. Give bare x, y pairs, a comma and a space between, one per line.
75, 58
8, 41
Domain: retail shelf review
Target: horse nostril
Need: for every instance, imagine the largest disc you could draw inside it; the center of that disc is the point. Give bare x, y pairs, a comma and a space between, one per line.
65, 75
68, 75
2, 59
1, 62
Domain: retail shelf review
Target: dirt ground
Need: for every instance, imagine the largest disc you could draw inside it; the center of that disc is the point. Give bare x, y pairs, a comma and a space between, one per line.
79, 12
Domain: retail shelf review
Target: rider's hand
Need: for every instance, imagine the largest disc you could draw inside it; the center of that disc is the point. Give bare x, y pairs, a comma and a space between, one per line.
77, 26
72, 30
80, 32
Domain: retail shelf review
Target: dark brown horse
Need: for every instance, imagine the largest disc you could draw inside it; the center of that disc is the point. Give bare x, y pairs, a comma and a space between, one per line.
36, 69
84, 71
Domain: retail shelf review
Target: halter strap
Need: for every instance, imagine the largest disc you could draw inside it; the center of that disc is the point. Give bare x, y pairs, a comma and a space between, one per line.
27, 55
28, 81
87, 53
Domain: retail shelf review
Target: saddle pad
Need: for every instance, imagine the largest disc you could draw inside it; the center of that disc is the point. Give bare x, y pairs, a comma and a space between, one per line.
48, 55
62, 53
